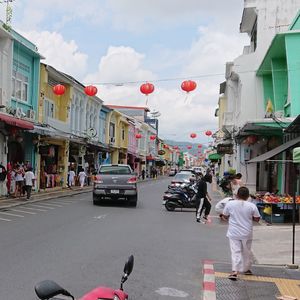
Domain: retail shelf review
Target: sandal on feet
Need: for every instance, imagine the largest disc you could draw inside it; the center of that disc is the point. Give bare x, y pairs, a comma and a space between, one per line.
232, 276
248, 272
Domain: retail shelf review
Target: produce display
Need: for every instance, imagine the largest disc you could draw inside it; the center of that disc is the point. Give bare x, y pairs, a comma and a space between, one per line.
269, 198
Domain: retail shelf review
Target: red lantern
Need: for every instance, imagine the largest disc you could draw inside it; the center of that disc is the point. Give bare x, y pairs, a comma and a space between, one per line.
91, 90
208, 133
200, 146
189, 147
176, 147
138, 136
59, 89
193, 135
188, 85
147, 88
152, 137
166, 147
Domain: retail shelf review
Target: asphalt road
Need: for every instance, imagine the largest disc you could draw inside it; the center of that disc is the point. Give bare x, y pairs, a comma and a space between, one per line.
82, 246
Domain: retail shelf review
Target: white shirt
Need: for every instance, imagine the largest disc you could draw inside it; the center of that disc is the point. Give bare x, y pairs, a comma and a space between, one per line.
82, 175
71, 175
241, 215
29, 176
221, 204
19, 176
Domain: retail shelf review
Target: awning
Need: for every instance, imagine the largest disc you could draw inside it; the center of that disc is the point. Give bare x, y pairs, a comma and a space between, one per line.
214, 156
10, 120
44, 130
274, 151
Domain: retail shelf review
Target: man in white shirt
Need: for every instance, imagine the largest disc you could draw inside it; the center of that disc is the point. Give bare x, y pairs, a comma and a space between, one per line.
82, 177
29, 181
241, 214
71, 178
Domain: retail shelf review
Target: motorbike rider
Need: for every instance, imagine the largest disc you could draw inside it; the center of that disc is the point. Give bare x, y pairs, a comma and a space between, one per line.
202, 197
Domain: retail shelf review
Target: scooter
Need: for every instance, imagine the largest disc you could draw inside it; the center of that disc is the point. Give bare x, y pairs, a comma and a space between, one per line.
48, 289
180, 198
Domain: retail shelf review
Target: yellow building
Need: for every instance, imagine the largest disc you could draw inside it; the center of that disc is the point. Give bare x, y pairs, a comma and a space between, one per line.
117, 136
53, 114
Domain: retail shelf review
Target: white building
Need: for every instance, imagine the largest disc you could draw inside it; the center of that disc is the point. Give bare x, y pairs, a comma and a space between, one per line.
243, 94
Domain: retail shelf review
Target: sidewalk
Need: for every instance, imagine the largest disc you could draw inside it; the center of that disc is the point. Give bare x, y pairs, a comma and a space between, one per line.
8, 202
272, 249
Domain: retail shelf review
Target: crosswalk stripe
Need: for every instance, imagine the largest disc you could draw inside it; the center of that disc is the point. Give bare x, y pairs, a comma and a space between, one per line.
50, 204
7, 220
41, 206
9, 214
22, 211
38, 209
63, 202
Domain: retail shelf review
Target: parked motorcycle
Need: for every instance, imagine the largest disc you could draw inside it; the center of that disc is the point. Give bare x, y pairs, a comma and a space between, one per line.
49, 289
180, 197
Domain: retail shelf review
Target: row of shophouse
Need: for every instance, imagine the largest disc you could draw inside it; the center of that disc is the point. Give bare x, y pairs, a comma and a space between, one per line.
259, 101
53, 133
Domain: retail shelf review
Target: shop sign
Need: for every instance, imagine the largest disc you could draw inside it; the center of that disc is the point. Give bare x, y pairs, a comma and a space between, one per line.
225, 149
161, 152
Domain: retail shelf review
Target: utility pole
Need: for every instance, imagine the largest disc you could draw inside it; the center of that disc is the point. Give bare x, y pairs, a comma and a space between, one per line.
8, 14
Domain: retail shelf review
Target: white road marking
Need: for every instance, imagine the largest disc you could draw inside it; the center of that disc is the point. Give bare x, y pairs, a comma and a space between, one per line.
9, 214
51, 205
63, 202
7, 220
36, 209
22, 211
165, 291
100, 217
41, 206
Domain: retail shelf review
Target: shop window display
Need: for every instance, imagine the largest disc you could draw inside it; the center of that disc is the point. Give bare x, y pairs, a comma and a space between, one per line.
50, 177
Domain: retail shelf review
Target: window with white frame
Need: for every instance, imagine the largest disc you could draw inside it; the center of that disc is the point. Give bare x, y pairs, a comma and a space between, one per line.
49, 108
19, 86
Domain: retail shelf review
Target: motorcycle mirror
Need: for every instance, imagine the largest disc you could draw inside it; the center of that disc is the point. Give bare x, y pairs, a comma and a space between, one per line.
129, 265
48, 289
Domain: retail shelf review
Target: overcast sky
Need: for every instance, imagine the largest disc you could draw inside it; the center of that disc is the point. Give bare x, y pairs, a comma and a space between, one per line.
120, 41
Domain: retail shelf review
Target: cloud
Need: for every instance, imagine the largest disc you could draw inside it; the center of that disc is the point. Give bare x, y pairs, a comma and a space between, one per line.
61, 54
121, 64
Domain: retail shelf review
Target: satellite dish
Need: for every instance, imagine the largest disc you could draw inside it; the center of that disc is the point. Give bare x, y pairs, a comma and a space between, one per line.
91, 132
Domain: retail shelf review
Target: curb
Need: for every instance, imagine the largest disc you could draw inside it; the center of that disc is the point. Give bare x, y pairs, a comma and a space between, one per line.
209, 281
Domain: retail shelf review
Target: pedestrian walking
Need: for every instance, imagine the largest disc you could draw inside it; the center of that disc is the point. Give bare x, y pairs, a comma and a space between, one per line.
71, 179
19, 179
29, 182
241, 214
202, 198
143, 174
236, 183
82, 177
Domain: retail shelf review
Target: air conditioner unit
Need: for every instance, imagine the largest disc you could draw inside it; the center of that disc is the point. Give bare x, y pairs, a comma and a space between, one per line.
112, 140
30, 114
19, 112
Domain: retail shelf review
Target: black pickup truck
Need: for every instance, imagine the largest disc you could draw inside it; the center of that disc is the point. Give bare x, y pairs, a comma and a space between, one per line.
115, 182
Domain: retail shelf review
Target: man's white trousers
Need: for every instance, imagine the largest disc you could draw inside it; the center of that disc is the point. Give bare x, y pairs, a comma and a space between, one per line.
241, 255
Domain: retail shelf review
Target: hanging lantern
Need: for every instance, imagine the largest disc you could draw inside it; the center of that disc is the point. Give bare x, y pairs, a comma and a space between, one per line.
91, 90
200, 146
59, 89
138, 136
152, 137
176, 147
166, 147
193, 135
188, 85
208, 133
189, 147
147, 88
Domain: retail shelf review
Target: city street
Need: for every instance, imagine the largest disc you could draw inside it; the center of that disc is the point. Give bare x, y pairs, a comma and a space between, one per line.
82, 246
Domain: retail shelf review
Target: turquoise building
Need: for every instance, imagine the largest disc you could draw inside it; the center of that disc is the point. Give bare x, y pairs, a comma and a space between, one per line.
24, 101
